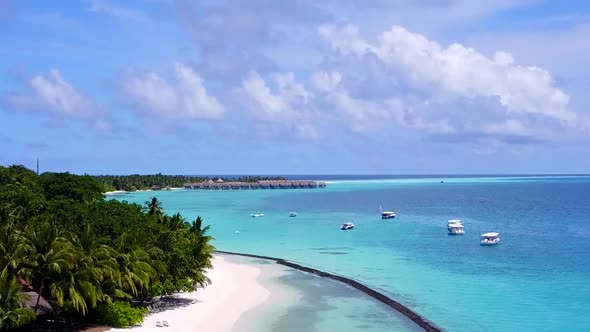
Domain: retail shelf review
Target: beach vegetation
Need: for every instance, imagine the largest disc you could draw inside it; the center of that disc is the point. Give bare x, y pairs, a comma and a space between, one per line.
120, 314
68, 254
144, 182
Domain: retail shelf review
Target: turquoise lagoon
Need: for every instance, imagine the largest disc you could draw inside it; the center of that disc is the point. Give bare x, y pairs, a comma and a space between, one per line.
536, 279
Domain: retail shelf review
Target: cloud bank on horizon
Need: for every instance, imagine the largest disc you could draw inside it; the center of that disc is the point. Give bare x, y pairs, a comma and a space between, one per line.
438, 80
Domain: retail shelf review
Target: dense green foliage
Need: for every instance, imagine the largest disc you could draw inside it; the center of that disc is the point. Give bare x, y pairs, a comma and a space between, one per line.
120, 314
89, 257
142, 182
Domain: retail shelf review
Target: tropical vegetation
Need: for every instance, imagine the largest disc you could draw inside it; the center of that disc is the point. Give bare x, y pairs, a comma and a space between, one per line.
142, 182
89, 258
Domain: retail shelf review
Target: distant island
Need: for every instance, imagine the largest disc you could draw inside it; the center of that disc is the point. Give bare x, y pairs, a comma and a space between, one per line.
143, 182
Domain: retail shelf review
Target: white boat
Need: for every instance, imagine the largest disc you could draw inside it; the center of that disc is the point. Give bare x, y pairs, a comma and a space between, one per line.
347, 226
454, 222
293, 214
488, 239
456, 229
387, 215
257, 215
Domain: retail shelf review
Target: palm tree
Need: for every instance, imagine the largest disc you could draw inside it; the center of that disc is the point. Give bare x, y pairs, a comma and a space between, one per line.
53, 254
135, 271
137, 264
78, 289
95, 249
15, 249
93, 253
177, 222
11, 295
196, 226
154, 208
202, 252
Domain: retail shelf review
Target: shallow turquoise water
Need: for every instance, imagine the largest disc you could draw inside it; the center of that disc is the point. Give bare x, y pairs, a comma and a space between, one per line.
536, 279
304, 302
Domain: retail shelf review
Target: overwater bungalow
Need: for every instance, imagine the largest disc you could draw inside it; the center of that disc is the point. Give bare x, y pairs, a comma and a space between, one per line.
156, 187
263, 184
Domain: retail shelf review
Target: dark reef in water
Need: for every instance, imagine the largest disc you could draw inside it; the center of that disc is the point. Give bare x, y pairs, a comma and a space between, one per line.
414, 317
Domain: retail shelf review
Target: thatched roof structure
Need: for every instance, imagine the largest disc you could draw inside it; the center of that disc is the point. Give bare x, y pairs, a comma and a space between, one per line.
30, 300
219, 180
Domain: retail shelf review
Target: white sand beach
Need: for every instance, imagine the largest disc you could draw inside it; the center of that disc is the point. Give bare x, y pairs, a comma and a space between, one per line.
121, 192
116, 192
234, 291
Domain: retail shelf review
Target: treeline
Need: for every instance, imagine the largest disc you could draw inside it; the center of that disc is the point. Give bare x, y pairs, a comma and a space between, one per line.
68, 254
143, 182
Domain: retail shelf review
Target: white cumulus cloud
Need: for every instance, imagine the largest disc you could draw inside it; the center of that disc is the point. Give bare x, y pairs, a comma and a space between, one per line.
284, 102
51, 95
56, 95
182, 97
529, 100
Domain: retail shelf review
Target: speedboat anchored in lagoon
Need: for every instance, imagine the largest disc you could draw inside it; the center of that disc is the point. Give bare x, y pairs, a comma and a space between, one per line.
386, 214
488, 239
293, 214
257, 215
347, 226
455, 227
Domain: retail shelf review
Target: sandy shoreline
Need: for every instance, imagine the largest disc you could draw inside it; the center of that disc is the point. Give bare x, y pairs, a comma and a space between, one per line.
234, 291
121, 192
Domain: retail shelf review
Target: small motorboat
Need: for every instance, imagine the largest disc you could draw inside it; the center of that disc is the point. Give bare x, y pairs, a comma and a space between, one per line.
456, 229
454, 222
293, 214
387, 215
347, 226
257, 215
489, 239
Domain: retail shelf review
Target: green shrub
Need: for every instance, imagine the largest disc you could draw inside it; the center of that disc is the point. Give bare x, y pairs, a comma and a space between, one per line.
120, 314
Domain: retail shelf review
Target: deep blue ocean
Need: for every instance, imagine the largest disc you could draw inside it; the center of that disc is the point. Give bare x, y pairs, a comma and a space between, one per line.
536, 279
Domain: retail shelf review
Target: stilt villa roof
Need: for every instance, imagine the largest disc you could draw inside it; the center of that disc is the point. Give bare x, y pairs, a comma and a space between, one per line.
31, 300
219, 180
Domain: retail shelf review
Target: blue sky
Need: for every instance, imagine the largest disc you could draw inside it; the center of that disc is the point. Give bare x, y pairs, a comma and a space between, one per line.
299, 87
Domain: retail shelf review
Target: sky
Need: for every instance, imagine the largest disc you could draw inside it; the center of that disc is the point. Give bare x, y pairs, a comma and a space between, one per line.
296, 87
